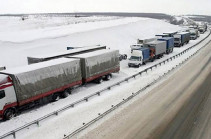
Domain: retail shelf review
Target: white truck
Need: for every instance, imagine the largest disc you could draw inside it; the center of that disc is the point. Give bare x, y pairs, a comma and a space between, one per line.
139, 57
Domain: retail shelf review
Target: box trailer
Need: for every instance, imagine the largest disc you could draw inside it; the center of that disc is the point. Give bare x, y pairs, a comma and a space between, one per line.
98, 65
157, 49
169, 44
46, 57
32, 84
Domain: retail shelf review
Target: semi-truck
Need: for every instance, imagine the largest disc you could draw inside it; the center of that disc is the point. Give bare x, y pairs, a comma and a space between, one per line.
71, 52
194, 34
149, 52
27, 86
181, 38
202, 29
169, 44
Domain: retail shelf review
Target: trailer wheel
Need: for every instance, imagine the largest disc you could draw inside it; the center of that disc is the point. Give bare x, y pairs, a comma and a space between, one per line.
99, 80
55, 97
108, 77
9, 114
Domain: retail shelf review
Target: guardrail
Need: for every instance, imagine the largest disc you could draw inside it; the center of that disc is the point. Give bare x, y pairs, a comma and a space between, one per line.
98, 93
138, 92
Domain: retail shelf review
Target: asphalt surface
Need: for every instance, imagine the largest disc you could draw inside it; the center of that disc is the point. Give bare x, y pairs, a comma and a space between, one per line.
178, 108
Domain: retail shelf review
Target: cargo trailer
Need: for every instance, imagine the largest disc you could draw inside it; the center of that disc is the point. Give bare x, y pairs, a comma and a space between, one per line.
33, 84
98, 65
169, 44
157, 49
46, 57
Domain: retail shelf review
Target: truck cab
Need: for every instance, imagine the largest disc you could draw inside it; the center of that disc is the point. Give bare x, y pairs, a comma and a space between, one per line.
135, 47
136, 59
193, 34
8, 99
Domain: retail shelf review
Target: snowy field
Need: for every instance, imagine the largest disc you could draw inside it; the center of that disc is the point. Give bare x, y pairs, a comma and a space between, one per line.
42, 35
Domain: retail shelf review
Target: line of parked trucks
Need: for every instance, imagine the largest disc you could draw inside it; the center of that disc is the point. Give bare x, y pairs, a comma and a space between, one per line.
49, 77
154, 48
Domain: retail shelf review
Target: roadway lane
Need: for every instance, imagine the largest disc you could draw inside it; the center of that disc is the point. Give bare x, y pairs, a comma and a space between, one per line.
178, 108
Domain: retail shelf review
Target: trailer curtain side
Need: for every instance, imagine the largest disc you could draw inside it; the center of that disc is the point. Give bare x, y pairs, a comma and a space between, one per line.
33, 84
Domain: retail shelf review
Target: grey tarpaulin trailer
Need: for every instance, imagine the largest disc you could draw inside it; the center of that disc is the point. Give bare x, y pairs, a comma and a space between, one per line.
36, 81
98, 63
72, 52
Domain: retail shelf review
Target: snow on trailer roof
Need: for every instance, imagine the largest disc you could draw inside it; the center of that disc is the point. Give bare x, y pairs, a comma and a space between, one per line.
36, 66
95, 53
165, 38
182, 33
66, 52
174, 32
155, 42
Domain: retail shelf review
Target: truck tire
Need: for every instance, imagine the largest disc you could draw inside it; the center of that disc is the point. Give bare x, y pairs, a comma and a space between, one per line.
9, 114
125, 56
55, 97
108, 77
167, 52
99, 80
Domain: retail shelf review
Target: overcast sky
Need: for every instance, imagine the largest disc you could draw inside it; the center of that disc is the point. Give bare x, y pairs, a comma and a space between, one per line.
175, 7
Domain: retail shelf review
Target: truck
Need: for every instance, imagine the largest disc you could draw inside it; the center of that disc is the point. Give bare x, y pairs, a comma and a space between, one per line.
71, 52
169, 44
139, 57
202, 29
149, 52
31, 85
194, 34
99, 65
181, 38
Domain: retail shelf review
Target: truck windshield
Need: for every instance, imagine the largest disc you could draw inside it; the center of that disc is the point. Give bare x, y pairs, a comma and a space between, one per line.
134, 58
176, 39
